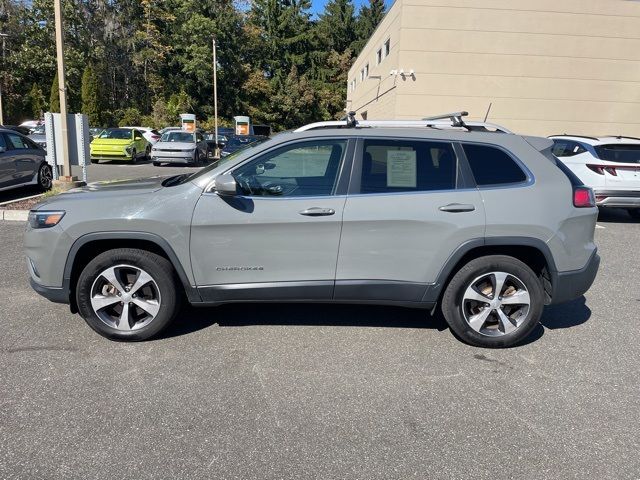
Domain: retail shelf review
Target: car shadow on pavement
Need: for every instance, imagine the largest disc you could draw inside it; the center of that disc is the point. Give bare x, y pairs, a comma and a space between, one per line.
566, 315
192, 319
615, 215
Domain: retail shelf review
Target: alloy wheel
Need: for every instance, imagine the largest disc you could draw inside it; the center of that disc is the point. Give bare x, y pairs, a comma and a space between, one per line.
125, 297
496, 303
46, 177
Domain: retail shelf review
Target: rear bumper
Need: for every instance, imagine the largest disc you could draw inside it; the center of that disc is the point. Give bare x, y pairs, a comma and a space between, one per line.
567, 286
618, 198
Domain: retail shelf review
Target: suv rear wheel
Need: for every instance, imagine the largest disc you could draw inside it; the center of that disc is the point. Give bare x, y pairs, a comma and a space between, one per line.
127, 294
494, 301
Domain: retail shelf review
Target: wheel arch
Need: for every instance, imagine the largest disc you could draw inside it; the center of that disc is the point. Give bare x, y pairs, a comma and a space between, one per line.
532, 251
88, 246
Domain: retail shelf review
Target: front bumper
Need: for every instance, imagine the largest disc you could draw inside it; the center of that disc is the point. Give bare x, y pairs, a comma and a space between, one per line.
121, 156
54, 294
164, 156
567, 286
618, 198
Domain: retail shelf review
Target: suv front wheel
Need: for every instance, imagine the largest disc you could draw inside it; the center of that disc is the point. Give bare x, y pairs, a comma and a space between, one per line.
127, 294
494, 301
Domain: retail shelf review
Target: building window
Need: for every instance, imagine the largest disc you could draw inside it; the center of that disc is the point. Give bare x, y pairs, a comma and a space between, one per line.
387, 47
379, 56
366, 71
362, 74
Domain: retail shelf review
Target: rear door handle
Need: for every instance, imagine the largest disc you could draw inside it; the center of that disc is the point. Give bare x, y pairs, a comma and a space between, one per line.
317, 212
457, 208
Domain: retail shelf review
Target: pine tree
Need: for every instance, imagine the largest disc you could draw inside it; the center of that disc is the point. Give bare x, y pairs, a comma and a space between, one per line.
368, 20
36, 98
337, 24
90, 95
54, 98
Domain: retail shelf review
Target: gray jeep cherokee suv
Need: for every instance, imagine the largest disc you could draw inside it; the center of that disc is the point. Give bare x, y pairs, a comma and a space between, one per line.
489, 226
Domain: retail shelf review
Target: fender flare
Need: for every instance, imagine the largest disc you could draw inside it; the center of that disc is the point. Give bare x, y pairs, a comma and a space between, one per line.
433, 292
191, 292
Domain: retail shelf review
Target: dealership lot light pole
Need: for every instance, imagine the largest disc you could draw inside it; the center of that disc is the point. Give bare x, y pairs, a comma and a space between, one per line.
215, 97
4, 69
66, 167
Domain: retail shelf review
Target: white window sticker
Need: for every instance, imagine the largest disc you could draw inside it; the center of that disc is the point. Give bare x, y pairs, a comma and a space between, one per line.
401, 168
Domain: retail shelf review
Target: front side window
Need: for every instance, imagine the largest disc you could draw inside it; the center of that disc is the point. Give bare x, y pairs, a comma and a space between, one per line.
492, 166
3, 144
390, 166
17, 142
299, 170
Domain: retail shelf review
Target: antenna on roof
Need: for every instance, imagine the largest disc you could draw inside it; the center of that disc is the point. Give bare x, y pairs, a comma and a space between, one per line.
488, 110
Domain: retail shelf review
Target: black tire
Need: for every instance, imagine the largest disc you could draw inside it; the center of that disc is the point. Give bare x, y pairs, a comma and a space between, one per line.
156, 164
45, 177
160, 270
147, 153
134, 156
452, 302
634, 213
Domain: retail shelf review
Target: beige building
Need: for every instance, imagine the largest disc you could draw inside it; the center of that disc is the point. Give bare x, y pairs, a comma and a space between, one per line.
545, 66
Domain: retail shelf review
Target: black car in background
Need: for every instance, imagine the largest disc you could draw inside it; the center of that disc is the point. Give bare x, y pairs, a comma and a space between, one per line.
238, 142
22, 162
17, 128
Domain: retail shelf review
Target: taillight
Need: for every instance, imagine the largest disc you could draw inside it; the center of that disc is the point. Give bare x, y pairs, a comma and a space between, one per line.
600, 169
155, 137
596, 168
583, 197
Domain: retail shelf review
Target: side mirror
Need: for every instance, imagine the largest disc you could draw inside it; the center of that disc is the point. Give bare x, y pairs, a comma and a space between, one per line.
225, 185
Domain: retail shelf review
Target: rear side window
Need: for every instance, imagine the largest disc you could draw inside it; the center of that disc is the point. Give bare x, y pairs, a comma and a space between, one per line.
567, 148
390, 166
619, 152
492, 166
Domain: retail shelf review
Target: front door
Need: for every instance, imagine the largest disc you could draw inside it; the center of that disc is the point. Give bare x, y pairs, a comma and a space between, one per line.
7, 163
407, 211
277, 239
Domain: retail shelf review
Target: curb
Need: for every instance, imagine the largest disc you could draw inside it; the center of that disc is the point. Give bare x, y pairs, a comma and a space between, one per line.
14, 215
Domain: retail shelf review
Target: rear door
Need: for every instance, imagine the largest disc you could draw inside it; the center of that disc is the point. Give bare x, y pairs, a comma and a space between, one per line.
26, 158
7, 164
409, 208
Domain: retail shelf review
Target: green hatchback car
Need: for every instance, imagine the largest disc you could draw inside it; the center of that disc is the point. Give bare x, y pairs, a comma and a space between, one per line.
126, 144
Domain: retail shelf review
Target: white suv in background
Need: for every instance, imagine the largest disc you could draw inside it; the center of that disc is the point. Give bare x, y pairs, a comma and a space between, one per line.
609, 165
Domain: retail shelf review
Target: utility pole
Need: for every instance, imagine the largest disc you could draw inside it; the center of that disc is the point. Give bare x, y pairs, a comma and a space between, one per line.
215, 97
66, 166
4, 69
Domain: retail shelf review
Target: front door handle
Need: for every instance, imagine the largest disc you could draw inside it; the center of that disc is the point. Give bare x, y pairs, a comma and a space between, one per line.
317, 212
457, 208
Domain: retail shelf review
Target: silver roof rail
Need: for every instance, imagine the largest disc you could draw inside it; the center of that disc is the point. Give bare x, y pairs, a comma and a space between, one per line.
439, 122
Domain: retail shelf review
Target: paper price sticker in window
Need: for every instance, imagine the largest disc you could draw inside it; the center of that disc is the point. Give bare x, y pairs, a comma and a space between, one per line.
401, 169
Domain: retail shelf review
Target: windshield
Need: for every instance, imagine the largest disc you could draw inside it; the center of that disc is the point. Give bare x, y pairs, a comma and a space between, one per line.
619, 152
224, 160
177, 137
116, 134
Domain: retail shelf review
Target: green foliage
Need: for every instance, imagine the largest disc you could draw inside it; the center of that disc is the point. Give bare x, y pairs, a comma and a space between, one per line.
54, 98
36, 99
133, 61
90, 96
130, 117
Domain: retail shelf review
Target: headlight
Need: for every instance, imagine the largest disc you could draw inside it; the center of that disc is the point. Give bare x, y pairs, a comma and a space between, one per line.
128, 150
45, 219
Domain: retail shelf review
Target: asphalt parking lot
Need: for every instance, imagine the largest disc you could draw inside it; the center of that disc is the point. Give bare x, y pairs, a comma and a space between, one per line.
320, 391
